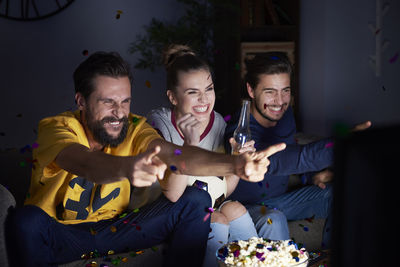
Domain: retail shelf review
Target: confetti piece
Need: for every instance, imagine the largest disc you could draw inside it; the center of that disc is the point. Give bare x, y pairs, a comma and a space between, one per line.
148, 84
177, 152
263, 210
173, 168
124, 259
136, 210
92, 231
210, 210
227, 118
35, 145
113, 229
342, 129
135, 119
22, 164
274, 58
26, 148
118, 15
206, 217
123, 215
85, 52
269, 221
328, 145
394, 58
110, 252
311, 219
115, 261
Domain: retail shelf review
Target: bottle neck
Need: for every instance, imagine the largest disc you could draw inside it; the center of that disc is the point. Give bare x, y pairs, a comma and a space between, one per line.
244, 114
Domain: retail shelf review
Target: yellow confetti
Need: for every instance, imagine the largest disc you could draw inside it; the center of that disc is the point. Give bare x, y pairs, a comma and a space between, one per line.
110, 252
139, 252
263, 210
124, 259
269, 221
113, 229
119, 12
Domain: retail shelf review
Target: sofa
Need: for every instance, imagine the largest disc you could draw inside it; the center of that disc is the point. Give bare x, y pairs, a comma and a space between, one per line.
14, 182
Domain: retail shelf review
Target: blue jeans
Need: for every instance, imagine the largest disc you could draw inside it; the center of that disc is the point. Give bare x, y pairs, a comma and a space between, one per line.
296, 205
39, 240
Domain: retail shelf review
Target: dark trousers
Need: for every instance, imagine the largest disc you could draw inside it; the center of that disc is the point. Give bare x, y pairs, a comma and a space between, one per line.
36, 239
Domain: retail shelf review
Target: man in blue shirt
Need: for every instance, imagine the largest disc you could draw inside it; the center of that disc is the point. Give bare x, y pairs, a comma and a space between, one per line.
268, 83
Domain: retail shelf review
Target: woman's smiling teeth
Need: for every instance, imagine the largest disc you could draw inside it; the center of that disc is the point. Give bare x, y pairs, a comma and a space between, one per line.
200, 109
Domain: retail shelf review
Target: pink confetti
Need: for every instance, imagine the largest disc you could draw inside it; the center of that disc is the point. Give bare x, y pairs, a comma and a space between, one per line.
330, 144
206, 217
394, 58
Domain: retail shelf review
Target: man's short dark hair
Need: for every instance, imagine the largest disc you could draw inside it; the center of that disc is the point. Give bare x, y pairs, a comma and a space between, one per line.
266, 63
109, 64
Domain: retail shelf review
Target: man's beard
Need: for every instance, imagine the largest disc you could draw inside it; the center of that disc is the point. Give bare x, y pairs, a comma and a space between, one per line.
100, 134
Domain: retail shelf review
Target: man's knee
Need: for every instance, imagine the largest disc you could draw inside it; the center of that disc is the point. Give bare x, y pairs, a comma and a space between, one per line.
233, 210
196, 196
218, 217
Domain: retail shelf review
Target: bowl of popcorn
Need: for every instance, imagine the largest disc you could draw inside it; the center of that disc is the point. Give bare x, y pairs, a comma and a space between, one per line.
260, 252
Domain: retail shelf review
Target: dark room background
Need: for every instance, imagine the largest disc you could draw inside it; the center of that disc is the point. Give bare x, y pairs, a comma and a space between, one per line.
336, 80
